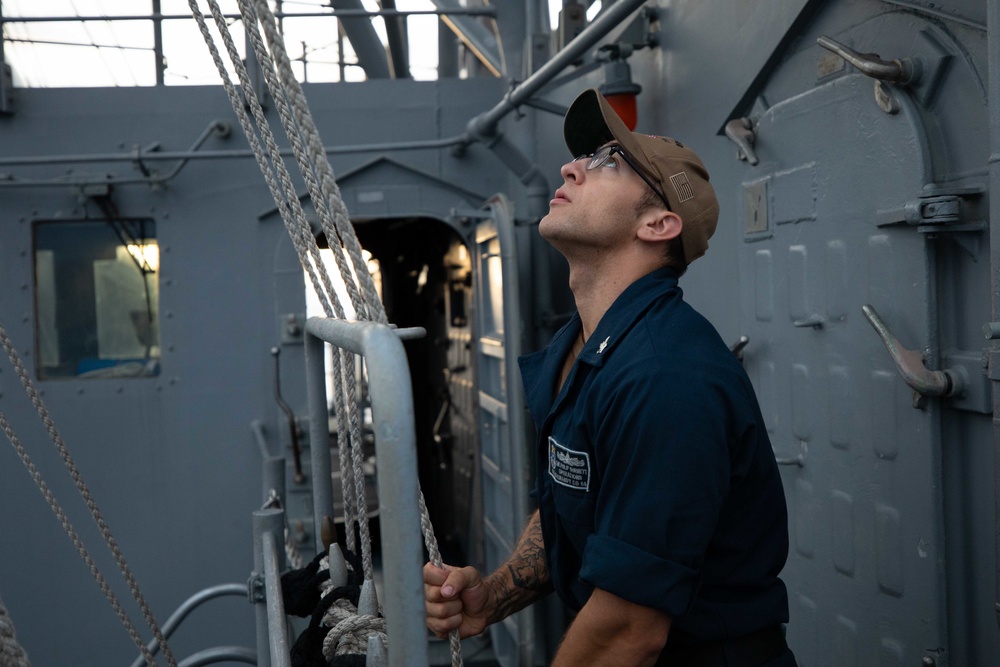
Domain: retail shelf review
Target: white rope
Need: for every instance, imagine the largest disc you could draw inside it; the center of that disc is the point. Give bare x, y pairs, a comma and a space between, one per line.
285, 196
298, 125
315, 168
349, 630
95, 512
12, 654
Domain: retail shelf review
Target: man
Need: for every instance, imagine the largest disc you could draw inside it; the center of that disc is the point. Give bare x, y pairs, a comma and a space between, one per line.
661, 518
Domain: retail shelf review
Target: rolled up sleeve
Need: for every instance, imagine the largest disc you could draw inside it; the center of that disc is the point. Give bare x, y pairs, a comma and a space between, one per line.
638, 576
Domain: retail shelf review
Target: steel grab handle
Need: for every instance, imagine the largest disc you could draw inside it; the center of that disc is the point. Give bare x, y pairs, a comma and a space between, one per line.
911, 363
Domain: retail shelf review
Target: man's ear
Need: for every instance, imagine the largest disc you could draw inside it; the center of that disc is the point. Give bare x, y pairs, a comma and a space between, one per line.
658, 224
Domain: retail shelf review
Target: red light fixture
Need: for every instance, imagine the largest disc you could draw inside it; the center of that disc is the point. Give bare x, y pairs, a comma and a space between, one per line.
618, 88
625, 106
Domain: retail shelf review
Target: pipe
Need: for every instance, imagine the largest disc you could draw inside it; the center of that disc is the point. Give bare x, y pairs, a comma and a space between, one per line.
4, 108
257, 428
479, 40
293, 425
189, 605
219, 654
485, 124
993, 104
319, 436
268, 560
395, 32
159, 61
391, 392
367, 46
161, 156
337, 13
277, 623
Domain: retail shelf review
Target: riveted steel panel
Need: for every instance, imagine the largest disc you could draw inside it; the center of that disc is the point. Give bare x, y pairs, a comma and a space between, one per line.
864, 514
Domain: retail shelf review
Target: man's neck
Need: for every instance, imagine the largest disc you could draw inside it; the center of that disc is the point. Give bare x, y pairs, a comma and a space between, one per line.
596, 285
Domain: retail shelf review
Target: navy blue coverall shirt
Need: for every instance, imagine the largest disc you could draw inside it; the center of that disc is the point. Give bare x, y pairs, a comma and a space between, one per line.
656, 479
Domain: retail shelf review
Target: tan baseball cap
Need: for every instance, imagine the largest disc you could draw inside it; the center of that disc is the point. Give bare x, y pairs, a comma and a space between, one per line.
679, 174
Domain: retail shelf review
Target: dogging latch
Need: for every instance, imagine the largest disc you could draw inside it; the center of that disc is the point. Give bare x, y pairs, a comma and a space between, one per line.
949, 382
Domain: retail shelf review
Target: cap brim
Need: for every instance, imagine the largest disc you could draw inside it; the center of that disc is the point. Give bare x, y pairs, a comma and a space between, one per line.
587, 126
591, 122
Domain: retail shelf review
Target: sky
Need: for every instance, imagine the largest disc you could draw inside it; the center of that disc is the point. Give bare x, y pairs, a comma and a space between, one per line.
105, 53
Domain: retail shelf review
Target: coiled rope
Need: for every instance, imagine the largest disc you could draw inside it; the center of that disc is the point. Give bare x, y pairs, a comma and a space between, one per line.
11, 653
310, 156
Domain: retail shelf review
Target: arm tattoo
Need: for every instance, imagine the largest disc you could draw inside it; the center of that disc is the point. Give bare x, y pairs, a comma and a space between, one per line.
527, 564
524, 577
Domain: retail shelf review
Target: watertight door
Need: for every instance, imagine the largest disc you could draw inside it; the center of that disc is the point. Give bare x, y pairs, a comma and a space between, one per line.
824, 234
503, 471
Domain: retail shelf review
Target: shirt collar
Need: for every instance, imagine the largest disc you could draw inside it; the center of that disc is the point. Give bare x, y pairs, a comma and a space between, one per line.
540, 370
627, 309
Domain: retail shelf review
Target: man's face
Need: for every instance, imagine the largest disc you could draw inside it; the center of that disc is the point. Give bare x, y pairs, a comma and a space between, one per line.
594, 208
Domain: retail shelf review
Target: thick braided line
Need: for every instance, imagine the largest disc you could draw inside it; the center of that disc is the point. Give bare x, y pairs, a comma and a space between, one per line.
350, 635
299, 229
77, 542
343, 451
84, 491
318, 160
363, 273
338, 611
454, 641
288, 123
12, 654
351, 403
341, 227
357, 446
294, 134
283, 205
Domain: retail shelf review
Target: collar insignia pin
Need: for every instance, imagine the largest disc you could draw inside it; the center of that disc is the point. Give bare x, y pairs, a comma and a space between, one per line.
603, 345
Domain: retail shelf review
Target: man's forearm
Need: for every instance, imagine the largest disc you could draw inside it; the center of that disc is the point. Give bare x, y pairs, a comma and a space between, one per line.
611, 632
524, 577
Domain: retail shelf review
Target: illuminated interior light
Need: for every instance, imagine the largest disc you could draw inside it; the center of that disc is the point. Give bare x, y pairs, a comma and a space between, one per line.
147, 254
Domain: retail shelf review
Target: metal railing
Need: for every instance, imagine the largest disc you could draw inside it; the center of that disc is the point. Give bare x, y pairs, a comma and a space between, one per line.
273, 649
396, 452
156, 17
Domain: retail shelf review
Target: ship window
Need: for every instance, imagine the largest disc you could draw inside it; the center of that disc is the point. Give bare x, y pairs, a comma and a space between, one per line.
97, 298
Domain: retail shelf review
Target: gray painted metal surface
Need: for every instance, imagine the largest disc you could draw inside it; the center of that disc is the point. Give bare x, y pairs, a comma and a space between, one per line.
994, 359
396, 451
893, 511
265, 589
504, 470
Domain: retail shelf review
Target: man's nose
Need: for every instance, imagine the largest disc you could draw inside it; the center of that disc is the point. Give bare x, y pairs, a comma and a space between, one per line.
573, 170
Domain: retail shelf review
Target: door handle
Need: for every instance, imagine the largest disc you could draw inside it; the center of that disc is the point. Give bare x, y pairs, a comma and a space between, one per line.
738, 347
905, 71
949, 382
740, 132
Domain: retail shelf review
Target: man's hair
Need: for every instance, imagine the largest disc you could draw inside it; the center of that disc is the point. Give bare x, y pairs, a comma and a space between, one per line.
674, 248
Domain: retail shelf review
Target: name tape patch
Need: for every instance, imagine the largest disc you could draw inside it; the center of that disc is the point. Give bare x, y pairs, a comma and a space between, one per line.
569, 467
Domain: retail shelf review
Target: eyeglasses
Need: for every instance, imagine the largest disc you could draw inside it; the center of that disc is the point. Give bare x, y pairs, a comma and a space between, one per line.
604, 158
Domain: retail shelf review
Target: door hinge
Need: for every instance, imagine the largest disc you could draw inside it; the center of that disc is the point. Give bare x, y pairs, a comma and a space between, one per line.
939, 210
931, 214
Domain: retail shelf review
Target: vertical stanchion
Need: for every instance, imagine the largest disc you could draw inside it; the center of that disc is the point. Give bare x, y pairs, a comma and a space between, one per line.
273, 477
277, 622
257, 592
319, 435
396, 453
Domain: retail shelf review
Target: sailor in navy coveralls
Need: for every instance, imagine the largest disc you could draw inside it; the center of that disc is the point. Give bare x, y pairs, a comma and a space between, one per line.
661, 518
